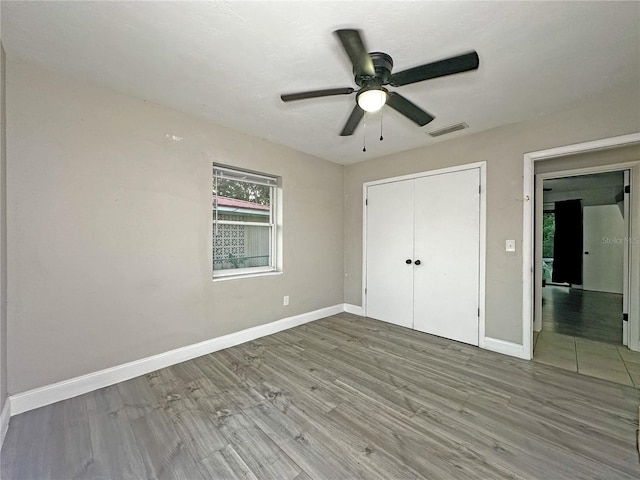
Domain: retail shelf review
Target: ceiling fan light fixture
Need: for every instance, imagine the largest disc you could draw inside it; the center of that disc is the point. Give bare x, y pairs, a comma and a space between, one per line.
372, 99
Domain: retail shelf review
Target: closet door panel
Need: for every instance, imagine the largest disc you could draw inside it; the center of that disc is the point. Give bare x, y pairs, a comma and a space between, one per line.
389, 234
447, 243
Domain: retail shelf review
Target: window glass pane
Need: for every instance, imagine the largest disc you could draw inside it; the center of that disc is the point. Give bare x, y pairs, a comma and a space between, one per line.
241, 201
548, 233
241, 246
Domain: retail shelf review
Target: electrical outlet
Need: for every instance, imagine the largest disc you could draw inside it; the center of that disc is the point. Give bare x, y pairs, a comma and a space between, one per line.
285, 300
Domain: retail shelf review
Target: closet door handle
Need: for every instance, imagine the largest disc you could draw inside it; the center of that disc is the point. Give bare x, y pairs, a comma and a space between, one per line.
417, 262
408, 261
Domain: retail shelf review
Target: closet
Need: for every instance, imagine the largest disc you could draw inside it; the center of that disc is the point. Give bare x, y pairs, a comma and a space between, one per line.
422, 256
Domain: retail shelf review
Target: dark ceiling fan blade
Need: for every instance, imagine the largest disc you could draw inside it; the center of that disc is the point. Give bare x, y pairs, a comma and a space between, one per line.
408, 109
316, 93
354, 46
441, 68
352, 123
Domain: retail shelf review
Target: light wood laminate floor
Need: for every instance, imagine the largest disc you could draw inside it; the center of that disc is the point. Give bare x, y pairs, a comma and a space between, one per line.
339, 398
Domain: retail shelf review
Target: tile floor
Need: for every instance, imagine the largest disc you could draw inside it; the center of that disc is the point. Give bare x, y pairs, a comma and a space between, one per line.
588, 357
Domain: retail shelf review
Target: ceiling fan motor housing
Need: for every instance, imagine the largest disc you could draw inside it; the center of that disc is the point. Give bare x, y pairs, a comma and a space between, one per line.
383, 64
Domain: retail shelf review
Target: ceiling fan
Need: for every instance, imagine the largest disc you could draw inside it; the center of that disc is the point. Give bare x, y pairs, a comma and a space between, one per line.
373, 70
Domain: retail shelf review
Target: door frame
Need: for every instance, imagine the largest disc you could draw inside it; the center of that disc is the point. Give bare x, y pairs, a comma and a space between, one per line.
528, 230
482, 166
539, 207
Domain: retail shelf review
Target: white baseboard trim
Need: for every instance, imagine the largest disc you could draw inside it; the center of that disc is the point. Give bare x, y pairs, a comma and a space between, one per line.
4, 420
355, 309
39, 397
506, 348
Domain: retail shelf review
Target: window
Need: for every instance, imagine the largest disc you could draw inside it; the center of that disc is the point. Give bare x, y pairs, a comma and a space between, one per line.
244, 222
548, 233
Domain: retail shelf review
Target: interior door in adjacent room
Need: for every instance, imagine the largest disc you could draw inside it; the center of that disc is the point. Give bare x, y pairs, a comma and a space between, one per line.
604, 244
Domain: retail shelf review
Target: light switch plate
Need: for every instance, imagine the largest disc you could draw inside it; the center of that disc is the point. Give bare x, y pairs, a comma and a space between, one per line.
510, 246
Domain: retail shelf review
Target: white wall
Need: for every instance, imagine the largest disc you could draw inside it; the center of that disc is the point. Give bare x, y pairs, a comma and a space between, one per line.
110, 229
604, 240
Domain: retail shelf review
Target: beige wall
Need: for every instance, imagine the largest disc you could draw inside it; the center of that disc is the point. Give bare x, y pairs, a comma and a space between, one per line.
109, 222
614, 113
110, 229
3, 234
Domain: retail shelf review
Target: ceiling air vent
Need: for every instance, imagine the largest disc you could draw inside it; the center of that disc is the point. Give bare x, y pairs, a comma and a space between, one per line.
449, 129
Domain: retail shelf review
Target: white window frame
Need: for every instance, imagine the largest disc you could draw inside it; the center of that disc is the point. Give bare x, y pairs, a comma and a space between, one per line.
230, 173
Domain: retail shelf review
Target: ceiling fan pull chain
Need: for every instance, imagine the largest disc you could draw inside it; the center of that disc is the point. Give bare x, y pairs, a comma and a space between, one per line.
364, 132
381, 110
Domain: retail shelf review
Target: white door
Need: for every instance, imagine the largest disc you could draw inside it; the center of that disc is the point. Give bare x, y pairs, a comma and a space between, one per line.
389, 233
603, 258
447, 244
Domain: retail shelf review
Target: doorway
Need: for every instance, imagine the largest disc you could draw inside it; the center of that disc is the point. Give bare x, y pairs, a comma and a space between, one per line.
585, 297
581, 301
624, 144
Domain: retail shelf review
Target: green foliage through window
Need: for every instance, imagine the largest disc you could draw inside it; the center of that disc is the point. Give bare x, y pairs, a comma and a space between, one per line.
251, 192
548, 232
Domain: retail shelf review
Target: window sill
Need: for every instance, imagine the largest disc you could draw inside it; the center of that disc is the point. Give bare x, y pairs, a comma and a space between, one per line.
246, 275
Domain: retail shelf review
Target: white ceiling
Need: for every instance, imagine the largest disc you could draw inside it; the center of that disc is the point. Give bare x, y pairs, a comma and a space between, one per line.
594, 189
230, 61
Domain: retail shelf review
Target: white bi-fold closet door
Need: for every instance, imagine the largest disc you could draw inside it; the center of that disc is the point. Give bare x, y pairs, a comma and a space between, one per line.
423, 253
